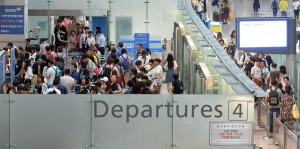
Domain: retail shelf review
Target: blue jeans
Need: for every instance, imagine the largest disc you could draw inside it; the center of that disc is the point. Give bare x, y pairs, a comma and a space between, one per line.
277, 110
226, 11
275, 12
201, 15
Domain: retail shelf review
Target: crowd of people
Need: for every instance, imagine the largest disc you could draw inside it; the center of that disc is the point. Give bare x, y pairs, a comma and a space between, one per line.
43, 70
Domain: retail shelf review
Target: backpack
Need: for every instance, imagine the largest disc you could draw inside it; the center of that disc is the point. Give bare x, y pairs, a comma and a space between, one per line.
105, 72
274, 4
273, 97
61, 58
58, 72
125, 64
48, 56
178, 88
214, 2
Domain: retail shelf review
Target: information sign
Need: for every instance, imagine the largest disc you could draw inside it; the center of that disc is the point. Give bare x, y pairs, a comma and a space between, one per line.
230, 133
12, 20
141, 38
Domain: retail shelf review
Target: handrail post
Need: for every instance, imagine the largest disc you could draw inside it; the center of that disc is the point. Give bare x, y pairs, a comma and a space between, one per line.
258, 112
274, 126
298, 141
285, 136
268, 121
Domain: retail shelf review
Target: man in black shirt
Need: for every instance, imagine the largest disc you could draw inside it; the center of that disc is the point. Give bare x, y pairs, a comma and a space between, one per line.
133, 73
43, 63
20, 60
147, 89
28, 49
63, 29
139, 85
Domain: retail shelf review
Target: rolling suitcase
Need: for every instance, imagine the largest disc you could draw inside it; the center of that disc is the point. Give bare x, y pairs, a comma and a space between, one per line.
216, 17
222, 15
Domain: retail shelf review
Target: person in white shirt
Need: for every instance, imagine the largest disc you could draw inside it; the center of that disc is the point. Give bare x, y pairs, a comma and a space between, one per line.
144, 58
28, 74
83, 37
67, 80
243, 60
53, 89
43, 46
256, 73
90, 39
286, 82
296, 4
156, 77
51, 72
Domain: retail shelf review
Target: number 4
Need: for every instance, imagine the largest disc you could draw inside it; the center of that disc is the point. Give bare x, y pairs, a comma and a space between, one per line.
238, 107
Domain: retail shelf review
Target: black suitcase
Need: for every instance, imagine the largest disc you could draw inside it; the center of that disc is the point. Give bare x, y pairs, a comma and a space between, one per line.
216, 17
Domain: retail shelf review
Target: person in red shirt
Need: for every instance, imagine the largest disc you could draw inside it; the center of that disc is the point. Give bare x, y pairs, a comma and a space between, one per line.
48, 52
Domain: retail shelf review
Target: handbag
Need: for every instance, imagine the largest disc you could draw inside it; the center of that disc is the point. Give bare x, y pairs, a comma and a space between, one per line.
295, 110
230, 14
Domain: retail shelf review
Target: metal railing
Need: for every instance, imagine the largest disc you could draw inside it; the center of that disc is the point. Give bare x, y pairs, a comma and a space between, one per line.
282, 136
218, 51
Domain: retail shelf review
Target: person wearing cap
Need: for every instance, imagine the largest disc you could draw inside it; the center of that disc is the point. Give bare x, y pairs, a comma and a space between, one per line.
104, 79
257, 74
144, 58
139, 85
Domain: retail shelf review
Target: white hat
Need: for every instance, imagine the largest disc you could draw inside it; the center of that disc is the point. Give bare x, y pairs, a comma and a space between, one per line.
253, 54
105, 79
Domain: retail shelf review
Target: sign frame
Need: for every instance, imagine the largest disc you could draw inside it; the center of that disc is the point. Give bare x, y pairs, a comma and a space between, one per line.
248, 143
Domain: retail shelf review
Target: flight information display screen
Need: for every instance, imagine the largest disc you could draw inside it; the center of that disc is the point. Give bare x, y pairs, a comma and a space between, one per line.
263, 34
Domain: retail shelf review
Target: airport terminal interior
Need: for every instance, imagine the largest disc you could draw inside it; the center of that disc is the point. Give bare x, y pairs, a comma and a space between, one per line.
223, 74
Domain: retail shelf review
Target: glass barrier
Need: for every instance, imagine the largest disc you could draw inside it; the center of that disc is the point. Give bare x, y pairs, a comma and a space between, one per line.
105, 121
291, 140
48, 122
141, 121
264, 115
2, 67
278, 133
4, 122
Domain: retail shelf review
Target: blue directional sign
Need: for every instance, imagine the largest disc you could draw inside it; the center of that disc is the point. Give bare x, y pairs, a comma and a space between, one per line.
12, 20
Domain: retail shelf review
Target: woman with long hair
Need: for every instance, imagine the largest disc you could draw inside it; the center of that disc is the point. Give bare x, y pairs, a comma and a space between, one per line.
170, 67
85, 85
125, 61
286, 106
28, 74
226, 8
78, 35
72, 41
231, 43
41, 85
107, 88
